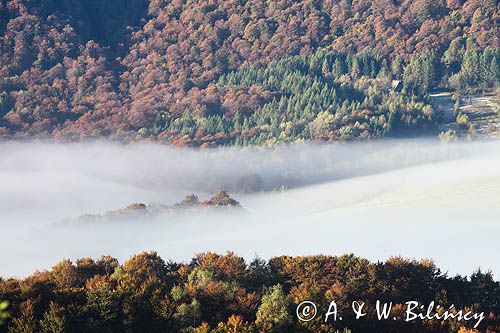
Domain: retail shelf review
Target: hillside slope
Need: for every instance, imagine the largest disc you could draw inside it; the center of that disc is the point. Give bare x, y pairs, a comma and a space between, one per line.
152, 69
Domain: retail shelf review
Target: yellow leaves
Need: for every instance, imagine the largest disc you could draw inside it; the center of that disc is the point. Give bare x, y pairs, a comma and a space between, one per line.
462, 119
4, 314
477, 16
304, 291
323, 122
203, 328
448, 136
428, 111
467, 330
234, 324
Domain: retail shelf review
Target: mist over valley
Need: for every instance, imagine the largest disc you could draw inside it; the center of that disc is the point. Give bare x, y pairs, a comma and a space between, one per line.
415, 198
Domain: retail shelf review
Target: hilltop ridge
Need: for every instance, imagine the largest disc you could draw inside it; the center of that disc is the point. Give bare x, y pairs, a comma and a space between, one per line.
139, 211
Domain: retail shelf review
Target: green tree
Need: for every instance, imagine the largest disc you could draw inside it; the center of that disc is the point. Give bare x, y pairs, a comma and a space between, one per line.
272, 315
420, 74
462, 119
234, 324
470, 71
4, 314
452, 57
322, 123
54, 319
397, 67
102, 299
189, 314
25, 321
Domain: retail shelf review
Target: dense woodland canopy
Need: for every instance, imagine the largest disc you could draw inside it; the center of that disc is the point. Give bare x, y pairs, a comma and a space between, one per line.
223, 294
234, 71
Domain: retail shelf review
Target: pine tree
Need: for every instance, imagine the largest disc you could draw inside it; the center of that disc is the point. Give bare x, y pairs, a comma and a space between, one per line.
325, 68
25, 322
54, 320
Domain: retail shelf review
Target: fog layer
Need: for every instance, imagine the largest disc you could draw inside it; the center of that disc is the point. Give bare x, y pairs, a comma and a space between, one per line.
418, 199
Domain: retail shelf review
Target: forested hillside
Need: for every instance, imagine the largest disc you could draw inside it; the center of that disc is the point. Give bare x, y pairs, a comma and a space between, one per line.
222, 294
237, 72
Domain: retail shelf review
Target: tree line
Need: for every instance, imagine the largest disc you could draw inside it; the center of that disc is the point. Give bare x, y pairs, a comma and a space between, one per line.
223, 293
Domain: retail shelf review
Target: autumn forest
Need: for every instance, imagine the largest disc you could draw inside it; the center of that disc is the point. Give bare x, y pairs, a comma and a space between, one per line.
222, 294
205, 73
268, 112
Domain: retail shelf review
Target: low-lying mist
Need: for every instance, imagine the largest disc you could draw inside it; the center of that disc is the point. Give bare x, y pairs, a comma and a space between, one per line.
413, 198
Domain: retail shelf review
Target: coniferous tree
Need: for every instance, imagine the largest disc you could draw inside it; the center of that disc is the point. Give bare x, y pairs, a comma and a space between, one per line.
25, 322
54, 320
